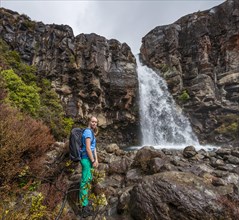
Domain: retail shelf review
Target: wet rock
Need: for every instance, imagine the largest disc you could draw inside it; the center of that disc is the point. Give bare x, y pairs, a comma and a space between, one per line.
144, 155
223, 151
189, 152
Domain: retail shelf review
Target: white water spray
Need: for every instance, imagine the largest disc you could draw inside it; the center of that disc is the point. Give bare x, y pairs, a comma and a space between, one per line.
162, 123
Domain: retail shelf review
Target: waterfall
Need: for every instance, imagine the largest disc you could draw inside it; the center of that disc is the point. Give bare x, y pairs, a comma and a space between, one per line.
162, 121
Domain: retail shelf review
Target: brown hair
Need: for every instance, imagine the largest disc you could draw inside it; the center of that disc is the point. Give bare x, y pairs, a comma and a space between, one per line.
96, 131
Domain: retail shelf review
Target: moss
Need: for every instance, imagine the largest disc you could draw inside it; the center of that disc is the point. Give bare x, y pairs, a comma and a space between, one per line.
164, 68
229, 124
68, 123
72, 59
231, 129
28, 22
184, 96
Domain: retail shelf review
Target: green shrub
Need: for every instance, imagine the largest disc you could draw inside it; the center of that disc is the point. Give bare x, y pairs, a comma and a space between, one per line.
68, 123
24, 97
184, 96
3, 90
164, 67
31, 93
228, 124
52, 112
229, 128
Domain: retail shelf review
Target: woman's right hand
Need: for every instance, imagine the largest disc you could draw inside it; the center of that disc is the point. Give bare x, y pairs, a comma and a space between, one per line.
95, 164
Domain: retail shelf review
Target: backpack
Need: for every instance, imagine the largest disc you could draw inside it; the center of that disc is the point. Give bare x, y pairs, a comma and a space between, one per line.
75, 144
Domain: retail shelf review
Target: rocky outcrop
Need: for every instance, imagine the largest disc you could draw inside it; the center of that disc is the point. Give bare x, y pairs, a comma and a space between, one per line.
92, 75
198, 57
172, 186
160, 184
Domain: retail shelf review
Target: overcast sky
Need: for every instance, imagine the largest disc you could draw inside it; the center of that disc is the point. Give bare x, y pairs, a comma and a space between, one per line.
126, 21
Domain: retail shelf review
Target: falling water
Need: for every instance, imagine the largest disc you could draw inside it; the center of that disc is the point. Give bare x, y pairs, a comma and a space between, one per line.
162, 121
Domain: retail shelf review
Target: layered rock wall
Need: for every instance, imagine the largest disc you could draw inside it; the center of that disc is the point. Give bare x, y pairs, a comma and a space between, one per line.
92, 75
198, 57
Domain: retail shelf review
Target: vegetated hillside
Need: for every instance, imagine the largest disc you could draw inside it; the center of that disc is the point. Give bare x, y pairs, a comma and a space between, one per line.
50, 80
90, 74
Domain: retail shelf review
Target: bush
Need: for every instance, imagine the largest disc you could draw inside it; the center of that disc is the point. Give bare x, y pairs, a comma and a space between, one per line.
3, 91
24, 97
228, 125
31, 93
51, 111
21, 140
184, 96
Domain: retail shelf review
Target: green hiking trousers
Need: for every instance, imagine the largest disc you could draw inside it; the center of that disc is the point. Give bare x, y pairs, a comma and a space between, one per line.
86, 179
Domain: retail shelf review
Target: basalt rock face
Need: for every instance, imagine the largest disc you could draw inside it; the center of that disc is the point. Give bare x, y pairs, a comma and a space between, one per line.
198, 57
92, 75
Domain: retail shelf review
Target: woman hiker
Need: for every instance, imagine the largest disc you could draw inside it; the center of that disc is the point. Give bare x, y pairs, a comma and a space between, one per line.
89, 160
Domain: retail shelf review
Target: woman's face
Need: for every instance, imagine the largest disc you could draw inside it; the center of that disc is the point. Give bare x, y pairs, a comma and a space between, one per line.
93, 123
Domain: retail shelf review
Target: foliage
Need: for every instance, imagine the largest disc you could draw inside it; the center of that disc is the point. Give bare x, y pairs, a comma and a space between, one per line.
98, 199
21, 139
3, 90
24, 97
232, 129
164, 67
24, 140
184, 96
51, 111
31, 93
30, 24
37, 209
10, 59
229, 124
31, 207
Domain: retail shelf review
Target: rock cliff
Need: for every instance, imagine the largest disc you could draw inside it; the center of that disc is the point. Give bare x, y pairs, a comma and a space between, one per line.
91, 75
198, 57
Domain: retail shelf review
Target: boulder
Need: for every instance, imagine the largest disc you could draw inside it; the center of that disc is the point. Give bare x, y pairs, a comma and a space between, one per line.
178, 195
189, 151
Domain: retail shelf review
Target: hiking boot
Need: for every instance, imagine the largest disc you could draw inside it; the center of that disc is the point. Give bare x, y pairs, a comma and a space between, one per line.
86, 211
